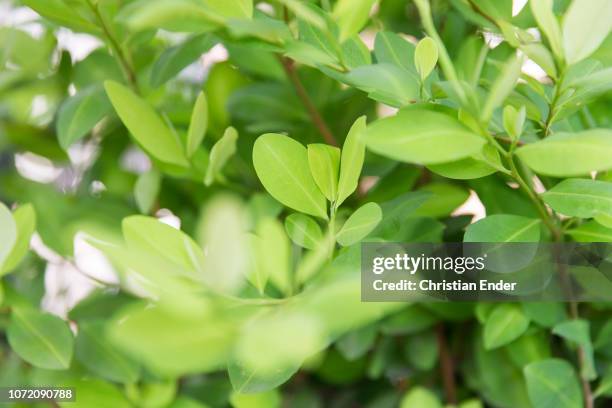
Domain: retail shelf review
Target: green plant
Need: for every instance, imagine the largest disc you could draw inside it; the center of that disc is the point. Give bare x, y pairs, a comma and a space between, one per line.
278, 164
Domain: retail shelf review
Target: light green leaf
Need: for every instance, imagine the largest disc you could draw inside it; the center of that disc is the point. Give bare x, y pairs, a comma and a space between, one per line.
245, 380
151, 235
503, 228
422, 136
591, 232
232, 9
351, 161
385, 82
514, 120
175, 58
543, 12
303, 230
505, 323
80, 113
281, 164
541, 56
197, 125
60, 12
481, 164
359, 224
305, 13
390, 48
273, 255
8, 233
220, 154
583, 198
145, 125
420, 397
552, 383
570, 154
172, 15
502, 87
95, 352
546, 314
578, 331
586, 25
95, 392
146, 190
351, 15
25, 223
425, 57
195, 342
324, 162
41, 339
221, 231
604, 219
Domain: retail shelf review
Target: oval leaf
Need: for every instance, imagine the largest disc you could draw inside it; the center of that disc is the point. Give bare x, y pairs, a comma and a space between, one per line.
303, 230
8, 233
281, 164
359, 224
324, 161
145, 125
425, 57
570, 154
583, 198
503, 228
197, 125
505, 324
25, 222
418, 135
220, 154
552, 383
41, 339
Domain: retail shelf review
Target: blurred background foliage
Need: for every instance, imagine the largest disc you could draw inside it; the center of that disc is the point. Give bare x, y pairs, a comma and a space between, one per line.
175, 262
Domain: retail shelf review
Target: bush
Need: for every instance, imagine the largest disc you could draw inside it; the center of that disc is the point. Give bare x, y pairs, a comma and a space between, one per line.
195, 179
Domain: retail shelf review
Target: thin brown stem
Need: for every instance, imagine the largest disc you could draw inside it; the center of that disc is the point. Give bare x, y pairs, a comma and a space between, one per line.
128, 70
312, 110
447, 369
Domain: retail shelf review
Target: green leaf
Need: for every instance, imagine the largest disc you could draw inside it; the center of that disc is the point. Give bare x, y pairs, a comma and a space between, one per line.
479, 165
543, 12
324, 162
422, 136
273, 255
421, 350
351, 160
171, 15
175, 58
553, 383
351, 15
197, 125
514, 120
444, 199
25, 223
605, 385
386, 83
60, 12
220, 154
502, 87
586, 25
390, 48
41, 339
356, 343
425, 57
578, 332
8, 233
570, 154
80, 113
94, 392
194, 342
420, 397
281, 164
546, 314
247, 381
591, 232
583, 198
233, 9
604, 219
95, 352
146, 190
504, 228
303, 230
151, 235
505, 323
359, 224
145, 125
